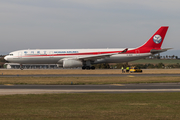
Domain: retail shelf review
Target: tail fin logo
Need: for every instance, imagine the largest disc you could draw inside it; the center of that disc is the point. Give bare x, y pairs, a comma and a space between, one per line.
157, 39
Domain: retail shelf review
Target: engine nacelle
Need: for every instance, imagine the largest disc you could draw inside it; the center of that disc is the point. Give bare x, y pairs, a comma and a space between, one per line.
72, 63
59, 65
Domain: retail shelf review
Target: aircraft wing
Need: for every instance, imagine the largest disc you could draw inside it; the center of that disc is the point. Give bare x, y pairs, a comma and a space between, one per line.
94, 57
153, 51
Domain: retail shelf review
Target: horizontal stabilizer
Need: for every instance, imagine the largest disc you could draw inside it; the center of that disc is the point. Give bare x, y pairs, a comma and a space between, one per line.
153, 51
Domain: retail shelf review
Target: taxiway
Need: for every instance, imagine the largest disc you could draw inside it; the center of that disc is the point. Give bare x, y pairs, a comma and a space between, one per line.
91, 75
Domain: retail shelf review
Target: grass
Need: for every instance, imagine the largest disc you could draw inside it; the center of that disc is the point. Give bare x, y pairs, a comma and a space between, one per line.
85, 80
91, 106
79, 71
155, 61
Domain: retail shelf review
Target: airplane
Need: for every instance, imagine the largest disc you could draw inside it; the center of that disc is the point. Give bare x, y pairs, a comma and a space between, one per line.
85, 58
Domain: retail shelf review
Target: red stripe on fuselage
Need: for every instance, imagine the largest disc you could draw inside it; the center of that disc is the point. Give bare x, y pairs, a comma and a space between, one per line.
90, 53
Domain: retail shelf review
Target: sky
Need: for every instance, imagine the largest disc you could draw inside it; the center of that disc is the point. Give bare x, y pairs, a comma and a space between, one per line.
61, 24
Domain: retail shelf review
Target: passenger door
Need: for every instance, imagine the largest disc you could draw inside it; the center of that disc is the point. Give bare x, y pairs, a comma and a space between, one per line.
19, 54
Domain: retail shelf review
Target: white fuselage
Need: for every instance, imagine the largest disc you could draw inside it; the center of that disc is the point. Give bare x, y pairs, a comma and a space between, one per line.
54, 56
84, 58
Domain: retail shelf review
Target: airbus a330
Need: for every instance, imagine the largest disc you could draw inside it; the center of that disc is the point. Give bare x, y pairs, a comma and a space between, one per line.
85, 58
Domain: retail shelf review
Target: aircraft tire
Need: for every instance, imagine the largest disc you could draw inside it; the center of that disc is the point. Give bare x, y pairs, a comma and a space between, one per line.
83, 67
92, 67
87, 68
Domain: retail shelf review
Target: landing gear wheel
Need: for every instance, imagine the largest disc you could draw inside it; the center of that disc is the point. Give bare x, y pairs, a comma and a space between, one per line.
87, 68
92, 67
83, 67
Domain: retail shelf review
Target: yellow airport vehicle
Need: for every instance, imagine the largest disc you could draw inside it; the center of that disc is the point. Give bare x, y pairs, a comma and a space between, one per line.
134, 69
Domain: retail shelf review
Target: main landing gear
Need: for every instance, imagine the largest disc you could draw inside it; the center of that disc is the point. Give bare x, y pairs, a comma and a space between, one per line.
88, 67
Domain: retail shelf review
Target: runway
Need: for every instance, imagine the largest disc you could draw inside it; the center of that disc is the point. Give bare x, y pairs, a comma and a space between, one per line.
114, 88
91, 75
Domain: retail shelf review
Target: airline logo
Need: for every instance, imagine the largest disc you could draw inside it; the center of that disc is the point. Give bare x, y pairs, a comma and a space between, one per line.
157, 39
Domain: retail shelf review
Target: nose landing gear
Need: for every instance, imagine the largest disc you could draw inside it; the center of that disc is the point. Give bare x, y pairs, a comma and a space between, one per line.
21, 67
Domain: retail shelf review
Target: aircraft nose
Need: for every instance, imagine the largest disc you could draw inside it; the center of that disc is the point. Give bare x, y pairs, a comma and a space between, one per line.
6, 58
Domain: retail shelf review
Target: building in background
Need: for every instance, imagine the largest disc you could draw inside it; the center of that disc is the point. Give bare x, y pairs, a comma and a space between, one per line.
31, 66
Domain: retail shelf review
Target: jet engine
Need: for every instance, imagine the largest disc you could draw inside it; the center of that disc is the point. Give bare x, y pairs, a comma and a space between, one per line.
59, 65
72, 63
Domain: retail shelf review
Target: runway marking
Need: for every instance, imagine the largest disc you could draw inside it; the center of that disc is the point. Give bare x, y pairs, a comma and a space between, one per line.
118, 84
130, 76
43, 91
139, 104
9, 84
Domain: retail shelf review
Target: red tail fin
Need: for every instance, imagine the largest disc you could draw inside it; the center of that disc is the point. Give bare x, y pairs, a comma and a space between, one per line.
154, 43
157, 39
